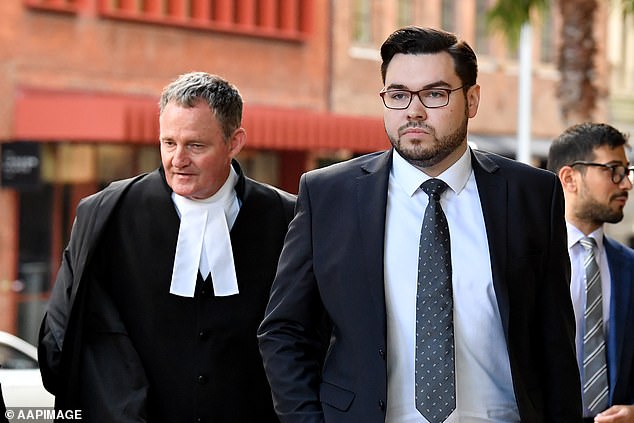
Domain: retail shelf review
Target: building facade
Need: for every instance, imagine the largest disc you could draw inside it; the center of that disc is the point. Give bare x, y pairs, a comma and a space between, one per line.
620, 62
81, 81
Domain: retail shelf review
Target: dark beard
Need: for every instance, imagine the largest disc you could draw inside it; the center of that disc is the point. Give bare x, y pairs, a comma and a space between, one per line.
599, 213
426, 156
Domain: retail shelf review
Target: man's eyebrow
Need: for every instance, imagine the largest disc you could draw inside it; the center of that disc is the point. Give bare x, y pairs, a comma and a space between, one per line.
396, 87
436, 84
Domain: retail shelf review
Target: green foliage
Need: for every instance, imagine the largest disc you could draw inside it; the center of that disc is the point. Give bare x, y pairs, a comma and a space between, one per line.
508, 16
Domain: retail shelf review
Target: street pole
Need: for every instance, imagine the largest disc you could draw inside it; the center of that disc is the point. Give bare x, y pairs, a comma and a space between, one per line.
524, 95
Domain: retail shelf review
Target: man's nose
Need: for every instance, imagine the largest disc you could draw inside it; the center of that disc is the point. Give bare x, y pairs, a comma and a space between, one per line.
181, 156
416, 109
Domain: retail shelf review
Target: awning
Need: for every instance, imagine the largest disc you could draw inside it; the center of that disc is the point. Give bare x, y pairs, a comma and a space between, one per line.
54, 116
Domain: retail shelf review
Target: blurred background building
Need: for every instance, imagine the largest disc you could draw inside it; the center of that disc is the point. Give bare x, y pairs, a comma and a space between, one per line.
80, 81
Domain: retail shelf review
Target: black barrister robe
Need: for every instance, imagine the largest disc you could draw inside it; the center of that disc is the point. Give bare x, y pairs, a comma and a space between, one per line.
134, 352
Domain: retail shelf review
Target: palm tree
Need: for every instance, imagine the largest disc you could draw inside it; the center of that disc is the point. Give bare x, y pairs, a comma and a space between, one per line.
509, 16
576, 89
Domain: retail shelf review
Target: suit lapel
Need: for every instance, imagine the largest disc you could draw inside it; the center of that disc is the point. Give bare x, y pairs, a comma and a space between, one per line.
371, 202
621, 277
492, 190
371, 205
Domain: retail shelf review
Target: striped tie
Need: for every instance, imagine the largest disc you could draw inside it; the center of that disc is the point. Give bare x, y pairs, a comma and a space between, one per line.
595, 377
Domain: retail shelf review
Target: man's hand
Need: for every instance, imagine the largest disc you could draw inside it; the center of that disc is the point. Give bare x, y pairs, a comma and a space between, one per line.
616, 414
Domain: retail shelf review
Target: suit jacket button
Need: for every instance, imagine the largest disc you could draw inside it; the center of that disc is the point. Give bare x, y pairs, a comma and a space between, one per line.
382, 405
203, 334
202, 379
382, 353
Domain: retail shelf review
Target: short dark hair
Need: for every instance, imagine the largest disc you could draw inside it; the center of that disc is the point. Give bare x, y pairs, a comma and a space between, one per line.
418, 40
578, 142
223, 98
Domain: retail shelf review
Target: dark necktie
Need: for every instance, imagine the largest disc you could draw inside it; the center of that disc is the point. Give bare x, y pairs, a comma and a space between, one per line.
435, 381
595, 377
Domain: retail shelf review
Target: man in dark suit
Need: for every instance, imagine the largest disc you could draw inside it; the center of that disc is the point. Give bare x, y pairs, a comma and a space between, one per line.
154, 313
344, 338
596, 176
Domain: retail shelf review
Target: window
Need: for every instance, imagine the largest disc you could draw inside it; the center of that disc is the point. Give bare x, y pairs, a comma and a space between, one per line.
362, 22
71, 6
405, 13
481, 30
624, 43
10, 358
546, 45
269, 18
448, 16
283, 19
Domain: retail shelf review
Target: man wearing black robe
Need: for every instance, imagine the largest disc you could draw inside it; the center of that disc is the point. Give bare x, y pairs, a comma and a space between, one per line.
115, 341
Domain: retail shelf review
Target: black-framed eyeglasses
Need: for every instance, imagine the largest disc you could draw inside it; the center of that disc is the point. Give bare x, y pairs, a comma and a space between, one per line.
432, 98
619, 172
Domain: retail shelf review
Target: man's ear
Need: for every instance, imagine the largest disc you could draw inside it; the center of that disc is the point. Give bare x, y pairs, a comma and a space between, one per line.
568, 178
237, 141
473, 100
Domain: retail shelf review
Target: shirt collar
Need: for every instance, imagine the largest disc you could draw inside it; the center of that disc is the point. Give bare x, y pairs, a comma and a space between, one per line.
410, 178
224, 196
574, 235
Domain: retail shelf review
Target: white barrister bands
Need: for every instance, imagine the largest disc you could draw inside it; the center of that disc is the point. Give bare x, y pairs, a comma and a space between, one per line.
204, 242
190, 241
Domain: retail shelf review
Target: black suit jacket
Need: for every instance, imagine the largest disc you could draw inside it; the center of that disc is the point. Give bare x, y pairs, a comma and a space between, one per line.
331, 270
116, 344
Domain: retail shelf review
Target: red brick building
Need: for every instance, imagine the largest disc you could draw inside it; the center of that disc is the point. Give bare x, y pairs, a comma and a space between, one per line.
81, 81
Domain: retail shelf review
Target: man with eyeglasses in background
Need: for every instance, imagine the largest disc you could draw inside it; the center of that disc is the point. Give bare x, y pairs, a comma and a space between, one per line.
591, 162
347, 336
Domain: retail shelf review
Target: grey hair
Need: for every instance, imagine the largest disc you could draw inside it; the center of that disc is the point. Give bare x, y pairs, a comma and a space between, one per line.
223, 98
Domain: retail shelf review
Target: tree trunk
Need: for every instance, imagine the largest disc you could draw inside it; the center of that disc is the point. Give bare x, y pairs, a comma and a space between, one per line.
577, 92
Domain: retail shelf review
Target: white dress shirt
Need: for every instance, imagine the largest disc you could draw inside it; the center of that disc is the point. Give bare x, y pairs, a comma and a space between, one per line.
484, 388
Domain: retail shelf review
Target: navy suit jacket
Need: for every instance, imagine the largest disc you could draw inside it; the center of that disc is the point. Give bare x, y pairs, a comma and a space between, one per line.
620, 340
323, 338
